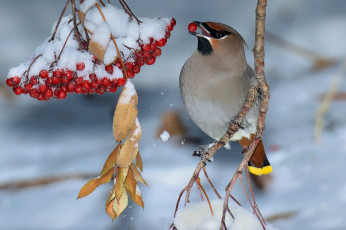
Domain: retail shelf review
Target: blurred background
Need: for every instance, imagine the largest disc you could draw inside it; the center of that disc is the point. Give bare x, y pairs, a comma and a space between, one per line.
66, 142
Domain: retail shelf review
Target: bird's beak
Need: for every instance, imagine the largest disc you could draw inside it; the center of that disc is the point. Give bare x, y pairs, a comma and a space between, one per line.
205, 33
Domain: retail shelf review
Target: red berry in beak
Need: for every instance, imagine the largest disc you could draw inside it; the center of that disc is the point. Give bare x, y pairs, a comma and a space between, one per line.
192, 27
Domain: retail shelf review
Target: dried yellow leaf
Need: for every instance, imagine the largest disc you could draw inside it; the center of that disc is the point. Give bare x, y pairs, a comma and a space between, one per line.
120, 204
111, 196
120, 180
129, 150
110, 210
136, 197
97, 50
130, 183
81, 16
91, 185
125, 113
139, 163
110, 162
137, 174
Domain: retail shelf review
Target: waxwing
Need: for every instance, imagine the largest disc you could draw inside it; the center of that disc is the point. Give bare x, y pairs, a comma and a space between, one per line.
214, 83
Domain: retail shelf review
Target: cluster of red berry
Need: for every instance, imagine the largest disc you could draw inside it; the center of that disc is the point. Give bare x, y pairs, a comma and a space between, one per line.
60, 82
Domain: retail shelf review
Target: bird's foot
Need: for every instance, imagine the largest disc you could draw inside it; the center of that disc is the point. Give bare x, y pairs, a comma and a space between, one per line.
235, 121
202, 152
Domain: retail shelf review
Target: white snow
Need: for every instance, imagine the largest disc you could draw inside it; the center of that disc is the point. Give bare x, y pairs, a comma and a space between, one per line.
128, 34
40, 139
128, 92
197, 216
102, 35
164, 136
86, 5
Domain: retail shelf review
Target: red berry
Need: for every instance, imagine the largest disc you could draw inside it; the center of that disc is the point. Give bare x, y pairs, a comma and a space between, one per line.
161, 42
170, 27
34, 93
34, 80
168, 35
129, 65
101, 90
42, 88
43, 74
153, 46
41, 97
146, 48
80, 66
121, 82
57, 73
69, 74
64, 88
78, 89
106, 81
113, 88
130, 74
16, 80
150, 61
92, 76
140, 62
56, 80
79, 81
49, 81
61, 94
157, 52
18, 90
136, 69
48, 93
70, 87
192, 27
173, 22
118, 64
94, 84
109, 69
28, 86
86, 85
151, 40
9, 82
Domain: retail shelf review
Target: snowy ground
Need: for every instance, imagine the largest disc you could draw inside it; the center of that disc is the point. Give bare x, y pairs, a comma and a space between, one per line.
40, 139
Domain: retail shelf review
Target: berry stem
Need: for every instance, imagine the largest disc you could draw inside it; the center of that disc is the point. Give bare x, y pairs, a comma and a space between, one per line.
33, 61
58, 23
102, 3
115, 44
63, 47
129, 11
77, 34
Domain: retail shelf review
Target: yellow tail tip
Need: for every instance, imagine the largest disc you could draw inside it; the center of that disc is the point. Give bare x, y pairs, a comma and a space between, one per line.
260, 171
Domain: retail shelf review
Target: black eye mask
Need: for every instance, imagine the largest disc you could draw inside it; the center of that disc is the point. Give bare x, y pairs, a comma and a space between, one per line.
215, 33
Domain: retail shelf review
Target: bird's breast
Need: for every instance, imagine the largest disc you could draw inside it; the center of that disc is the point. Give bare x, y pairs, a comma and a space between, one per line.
212, 97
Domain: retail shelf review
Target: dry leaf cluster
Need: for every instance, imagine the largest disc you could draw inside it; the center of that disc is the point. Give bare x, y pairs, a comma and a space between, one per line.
124, 164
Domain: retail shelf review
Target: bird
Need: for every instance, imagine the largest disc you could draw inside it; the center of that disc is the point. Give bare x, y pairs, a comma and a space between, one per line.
214, 83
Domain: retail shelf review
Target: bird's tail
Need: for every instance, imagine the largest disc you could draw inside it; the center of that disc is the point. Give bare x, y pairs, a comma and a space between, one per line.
258, 164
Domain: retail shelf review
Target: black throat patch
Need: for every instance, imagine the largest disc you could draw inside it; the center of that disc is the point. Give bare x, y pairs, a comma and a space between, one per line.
204, 46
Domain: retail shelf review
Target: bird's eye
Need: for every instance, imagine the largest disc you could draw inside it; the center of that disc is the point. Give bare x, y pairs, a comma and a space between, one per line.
220, 34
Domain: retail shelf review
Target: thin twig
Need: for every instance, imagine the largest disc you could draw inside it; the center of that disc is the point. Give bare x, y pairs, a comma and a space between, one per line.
33, 61
253, 197
211, 184
200, 185
44, 181
58, 23
77, 34
131, 13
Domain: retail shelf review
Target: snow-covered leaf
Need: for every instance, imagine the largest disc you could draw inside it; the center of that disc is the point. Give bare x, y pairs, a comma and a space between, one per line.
94, 183
99, 41
125, 113
136, 197
130, 148
139, 163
